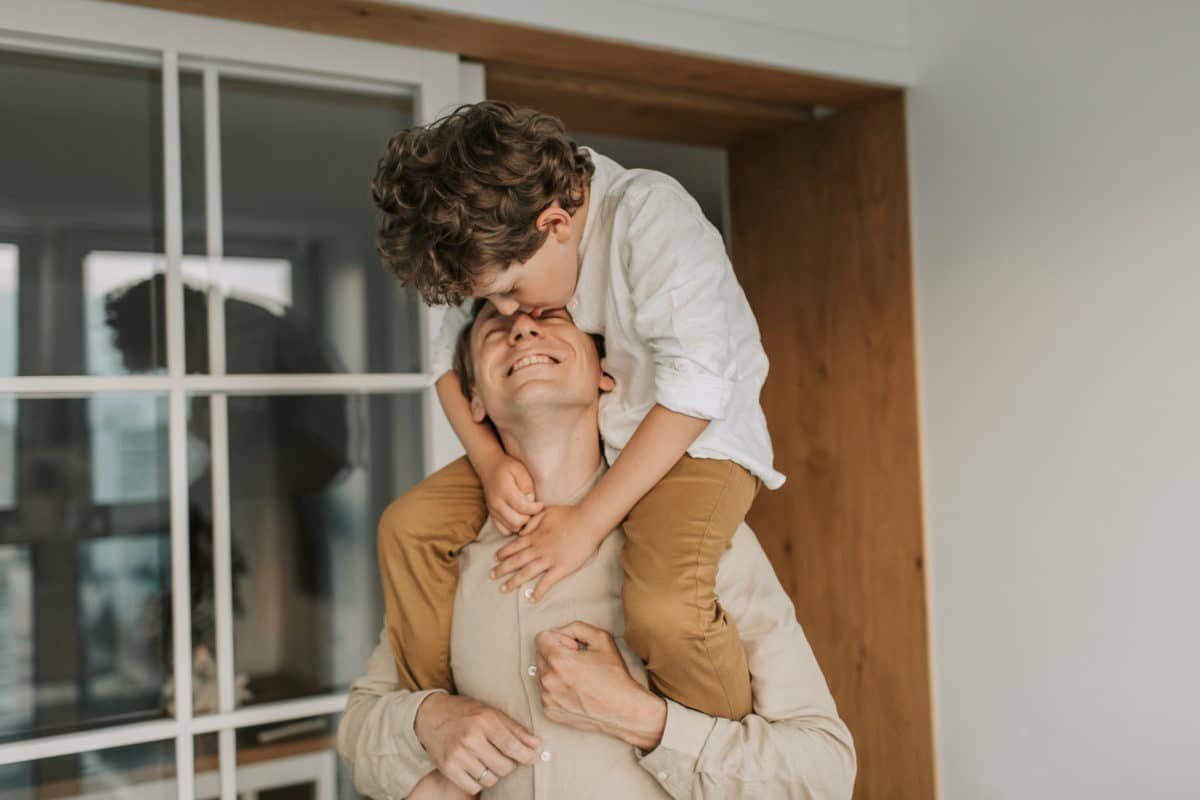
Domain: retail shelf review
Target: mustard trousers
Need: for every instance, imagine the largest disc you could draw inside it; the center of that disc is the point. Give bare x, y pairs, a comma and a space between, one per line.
674, 537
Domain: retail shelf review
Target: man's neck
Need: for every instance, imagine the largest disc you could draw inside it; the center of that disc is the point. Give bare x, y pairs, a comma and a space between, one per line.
561, 452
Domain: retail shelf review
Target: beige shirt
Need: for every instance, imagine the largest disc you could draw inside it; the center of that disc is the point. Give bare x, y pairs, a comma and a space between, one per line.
793, 745
656, 281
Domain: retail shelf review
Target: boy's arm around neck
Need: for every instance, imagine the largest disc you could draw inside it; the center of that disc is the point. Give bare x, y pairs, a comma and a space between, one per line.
658, 443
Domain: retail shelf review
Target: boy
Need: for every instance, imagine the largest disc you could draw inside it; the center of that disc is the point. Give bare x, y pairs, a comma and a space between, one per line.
495, 201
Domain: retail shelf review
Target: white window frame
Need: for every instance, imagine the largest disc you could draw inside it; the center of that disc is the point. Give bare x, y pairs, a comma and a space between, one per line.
104, 31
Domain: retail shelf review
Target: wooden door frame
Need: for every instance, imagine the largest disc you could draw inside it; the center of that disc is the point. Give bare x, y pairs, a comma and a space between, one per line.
820, 239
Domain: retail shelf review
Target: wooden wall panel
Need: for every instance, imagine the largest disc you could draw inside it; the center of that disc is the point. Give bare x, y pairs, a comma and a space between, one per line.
821, 245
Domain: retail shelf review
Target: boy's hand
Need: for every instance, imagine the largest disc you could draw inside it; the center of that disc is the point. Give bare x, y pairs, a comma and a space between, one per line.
555, 542
508, 488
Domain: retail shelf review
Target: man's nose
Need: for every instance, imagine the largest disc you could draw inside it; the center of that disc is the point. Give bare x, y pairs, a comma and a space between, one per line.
524, 326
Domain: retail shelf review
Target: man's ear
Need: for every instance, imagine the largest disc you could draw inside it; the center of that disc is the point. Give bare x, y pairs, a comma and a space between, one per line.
607, 384
478, 412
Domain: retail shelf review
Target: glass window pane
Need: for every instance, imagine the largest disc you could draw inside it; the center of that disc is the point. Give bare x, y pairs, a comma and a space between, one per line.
302, 276
85, 566
310, 475
141, 770
81, 172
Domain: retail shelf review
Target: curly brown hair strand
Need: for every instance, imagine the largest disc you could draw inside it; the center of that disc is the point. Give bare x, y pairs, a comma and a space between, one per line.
463, 193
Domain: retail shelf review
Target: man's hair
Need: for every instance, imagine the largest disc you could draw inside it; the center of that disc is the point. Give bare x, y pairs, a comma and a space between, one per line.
464, 366
465, 191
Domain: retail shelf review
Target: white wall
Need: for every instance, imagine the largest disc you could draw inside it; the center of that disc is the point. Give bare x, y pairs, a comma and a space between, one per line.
864, 39
1055, 153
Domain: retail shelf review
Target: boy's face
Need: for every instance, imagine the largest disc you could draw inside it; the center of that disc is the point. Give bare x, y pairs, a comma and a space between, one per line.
547, 280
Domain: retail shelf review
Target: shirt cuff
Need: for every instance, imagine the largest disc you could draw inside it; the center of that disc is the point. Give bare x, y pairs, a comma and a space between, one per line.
679, 387
412, 760
683, 739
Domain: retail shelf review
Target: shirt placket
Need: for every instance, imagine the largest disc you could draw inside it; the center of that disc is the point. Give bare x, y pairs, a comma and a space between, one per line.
527, 628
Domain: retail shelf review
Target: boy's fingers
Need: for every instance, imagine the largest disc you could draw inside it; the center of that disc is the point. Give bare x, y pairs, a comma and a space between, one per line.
528, 572
513, 563
515, 546
522, 479
524, 503
512, 520
548, 580
532, 525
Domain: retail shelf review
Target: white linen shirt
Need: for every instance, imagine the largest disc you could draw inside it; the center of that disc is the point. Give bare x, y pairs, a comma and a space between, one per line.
793, 745
656, 282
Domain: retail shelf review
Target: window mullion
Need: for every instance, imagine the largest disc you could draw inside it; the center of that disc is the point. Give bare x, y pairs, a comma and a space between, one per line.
219, 427
181, 595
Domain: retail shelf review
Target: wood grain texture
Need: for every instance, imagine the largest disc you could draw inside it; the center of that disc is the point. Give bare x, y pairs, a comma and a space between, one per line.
821, 246
491, 41
642, 110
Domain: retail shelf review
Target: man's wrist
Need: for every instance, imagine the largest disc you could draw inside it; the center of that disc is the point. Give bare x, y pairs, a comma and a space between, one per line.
427, 715
648, 722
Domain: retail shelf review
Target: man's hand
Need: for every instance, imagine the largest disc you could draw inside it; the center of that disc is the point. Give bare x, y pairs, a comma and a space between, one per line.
508, 489
463, 736
436, 786
555, 542
586, 685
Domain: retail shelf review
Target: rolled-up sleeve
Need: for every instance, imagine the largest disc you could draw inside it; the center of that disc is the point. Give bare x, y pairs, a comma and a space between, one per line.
376, 737
794, 745
441, 356
682, 283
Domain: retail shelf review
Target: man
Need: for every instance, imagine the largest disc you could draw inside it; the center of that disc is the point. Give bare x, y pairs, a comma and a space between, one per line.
548, 704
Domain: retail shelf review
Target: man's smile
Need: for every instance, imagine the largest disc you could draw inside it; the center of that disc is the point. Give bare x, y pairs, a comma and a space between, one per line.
529, 361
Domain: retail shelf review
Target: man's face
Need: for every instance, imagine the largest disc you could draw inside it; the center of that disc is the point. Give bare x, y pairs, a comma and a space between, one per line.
546, 280
522, 363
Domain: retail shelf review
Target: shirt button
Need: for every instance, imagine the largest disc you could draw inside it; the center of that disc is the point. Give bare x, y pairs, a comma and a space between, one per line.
545, 755
662, 776
528, 592
532, 670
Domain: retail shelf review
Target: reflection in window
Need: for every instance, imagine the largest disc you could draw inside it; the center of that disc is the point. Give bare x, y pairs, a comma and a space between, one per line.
16, 638
8, 367
123, 581
122, 341
141, 771
131, 429
85, 571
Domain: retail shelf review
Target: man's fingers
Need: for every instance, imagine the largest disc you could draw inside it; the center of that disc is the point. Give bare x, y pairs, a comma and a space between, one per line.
459, 777
530, 740
513, 563
507, 742
590, 635
512, 548
527, 573
496, 761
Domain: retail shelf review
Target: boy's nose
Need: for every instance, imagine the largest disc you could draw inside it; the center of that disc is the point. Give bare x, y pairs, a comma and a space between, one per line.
506, 305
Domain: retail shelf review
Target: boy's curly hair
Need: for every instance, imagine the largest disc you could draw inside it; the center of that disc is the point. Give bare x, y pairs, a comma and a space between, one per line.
464, 192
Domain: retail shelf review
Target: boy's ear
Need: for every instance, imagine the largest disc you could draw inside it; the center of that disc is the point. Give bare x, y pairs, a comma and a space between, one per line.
607, 384
478, 412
